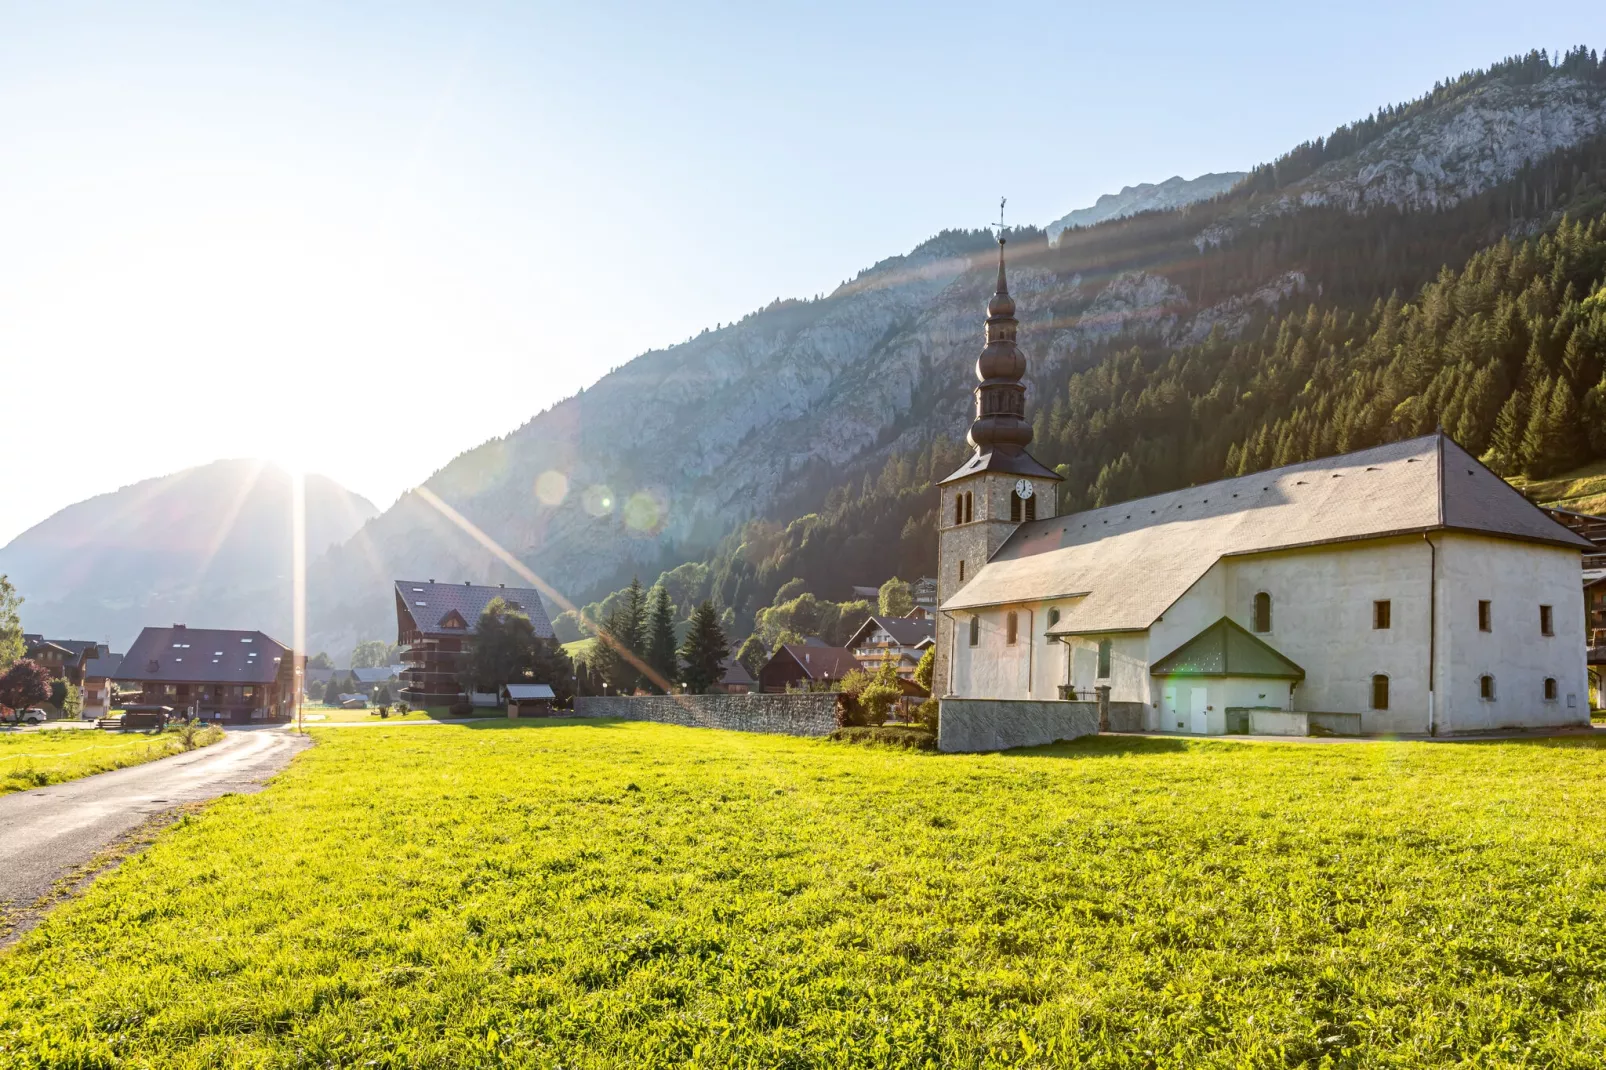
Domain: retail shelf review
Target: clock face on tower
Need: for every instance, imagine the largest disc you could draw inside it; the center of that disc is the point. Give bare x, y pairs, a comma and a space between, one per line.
1023, 487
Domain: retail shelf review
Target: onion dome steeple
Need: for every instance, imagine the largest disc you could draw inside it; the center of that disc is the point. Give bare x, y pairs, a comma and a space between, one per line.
1000, 394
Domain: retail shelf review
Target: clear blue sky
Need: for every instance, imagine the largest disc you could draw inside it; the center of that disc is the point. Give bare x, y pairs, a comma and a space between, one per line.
310, 232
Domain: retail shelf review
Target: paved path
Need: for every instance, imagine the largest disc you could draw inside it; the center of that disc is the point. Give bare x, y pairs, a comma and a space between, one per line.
402, 724
47, 832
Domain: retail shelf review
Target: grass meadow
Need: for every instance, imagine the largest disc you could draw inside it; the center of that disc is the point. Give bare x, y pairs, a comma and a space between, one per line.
38, 759
601, 895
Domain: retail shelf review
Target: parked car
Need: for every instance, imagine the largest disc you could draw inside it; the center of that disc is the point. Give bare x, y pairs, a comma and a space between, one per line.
31, 715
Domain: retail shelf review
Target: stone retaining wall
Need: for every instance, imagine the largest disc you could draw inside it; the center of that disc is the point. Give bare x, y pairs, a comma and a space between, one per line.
1127, 717
977, 724
810, 714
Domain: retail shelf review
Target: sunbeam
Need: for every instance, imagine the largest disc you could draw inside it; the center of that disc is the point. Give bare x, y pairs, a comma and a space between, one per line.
472, 531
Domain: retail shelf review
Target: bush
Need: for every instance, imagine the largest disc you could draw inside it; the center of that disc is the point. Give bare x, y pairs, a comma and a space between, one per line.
926, 714
887, 735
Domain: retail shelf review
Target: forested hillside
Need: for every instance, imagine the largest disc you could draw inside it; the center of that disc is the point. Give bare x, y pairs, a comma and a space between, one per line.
1437, 260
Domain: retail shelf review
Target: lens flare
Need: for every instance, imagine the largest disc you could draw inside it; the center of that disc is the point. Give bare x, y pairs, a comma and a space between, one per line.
644, 512
551, 487
597, 500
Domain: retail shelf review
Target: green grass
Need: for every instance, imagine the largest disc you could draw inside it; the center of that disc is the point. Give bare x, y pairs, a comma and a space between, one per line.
314, 714
580, 648
1582, 490
36, 759
640, 895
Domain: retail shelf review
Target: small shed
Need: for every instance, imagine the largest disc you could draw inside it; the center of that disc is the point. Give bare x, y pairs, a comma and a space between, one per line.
528, 700
1223, 667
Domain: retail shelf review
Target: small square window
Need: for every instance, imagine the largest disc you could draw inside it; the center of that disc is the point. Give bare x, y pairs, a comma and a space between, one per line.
1547, 621
1485, 616
1382, 613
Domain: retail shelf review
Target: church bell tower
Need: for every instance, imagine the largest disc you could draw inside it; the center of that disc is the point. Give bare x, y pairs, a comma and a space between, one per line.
1001, 486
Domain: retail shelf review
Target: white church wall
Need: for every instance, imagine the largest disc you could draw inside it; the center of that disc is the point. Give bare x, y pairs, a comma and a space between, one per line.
1516, 579
1322, 602
994, 667
1201, 606
1129, 665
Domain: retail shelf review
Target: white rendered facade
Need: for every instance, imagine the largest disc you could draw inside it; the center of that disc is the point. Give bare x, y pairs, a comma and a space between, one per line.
1324, 616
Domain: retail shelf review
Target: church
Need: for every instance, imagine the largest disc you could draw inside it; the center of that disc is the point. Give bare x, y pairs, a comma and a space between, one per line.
1401, 589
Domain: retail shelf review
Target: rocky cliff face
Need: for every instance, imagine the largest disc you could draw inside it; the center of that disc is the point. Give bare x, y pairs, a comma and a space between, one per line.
1174, 192
665, 455
1459, 150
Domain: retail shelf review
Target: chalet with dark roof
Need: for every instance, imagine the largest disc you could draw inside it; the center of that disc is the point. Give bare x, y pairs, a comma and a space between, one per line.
899, 640
216, 673
796, 665
435, 625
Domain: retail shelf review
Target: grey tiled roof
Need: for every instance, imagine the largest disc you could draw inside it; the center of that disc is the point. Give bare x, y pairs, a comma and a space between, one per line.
733, 673
439, 599
202, 655
1133, 560
1015, 462
904, 631
1226, 649
104, 667
821, 662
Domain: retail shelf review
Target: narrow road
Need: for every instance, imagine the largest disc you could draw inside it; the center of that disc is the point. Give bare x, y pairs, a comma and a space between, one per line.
47, 832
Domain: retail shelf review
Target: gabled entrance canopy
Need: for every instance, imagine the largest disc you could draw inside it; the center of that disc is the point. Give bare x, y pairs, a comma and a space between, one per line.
1226, 649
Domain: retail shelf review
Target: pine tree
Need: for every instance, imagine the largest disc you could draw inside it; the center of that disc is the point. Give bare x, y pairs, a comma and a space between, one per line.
705, 647
1505, 449
1594, 417
660, 645
635, 605
614, 655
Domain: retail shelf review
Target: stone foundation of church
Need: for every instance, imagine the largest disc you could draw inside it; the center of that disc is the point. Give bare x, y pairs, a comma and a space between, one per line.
808, 714
978, 724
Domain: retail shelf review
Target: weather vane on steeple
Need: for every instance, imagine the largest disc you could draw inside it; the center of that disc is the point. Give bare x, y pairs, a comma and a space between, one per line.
1001, 203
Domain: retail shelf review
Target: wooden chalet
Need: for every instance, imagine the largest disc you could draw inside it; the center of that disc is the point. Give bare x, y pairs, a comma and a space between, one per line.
899, 640
797, 665
216, 673
435, 625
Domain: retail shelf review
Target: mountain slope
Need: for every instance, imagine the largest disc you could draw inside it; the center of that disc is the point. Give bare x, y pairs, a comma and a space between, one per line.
677, 448
1174, 192
205, 546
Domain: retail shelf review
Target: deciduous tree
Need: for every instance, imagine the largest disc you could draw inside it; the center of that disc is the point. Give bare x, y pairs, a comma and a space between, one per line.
370, 654
11, 644
26, 683
897, 598
752, 654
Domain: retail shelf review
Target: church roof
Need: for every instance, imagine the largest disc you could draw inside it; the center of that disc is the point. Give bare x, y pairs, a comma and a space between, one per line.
1016, 462
1226, 649
1128, 563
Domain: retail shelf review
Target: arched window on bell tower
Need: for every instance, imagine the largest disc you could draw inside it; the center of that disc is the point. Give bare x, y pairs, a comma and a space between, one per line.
959, 508
970, 502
